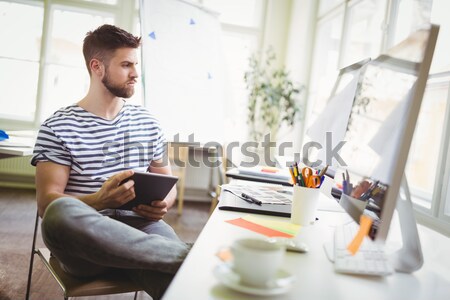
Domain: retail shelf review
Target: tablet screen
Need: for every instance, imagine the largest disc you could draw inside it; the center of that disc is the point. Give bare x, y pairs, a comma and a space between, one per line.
149, 187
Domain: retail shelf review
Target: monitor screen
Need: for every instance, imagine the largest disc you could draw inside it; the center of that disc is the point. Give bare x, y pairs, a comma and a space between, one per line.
380, 129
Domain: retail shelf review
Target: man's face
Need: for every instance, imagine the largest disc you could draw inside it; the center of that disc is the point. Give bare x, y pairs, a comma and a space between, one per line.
120, 73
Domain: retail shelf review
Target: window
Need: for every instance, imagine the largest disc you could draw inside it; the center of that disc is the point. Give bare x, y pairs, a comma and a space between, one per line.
237, 49
422, 168
19, 58
326, 5
348, 31
364, 21
325, 60
341, 42
43, 53
67, 79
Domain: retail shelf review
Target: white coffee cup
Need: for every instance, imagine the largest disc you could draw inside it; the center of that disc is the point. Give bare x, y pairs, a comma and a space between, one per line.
256, 261
304, 205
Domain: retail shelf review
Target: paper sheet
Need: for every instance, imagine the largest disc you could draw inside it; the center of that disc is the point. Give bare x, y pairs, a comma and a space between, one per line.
258, 228
334, 118
285, 227
267, 194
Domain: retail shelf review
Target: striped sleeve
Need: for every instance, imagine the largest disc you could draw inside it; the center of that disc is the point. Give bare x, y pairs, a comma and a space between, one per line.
49, 147
160, 148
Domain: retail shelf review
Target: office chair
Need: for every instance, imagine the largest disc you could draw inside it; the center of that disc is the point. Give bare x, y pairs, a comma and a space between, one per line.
178, 160
111, 283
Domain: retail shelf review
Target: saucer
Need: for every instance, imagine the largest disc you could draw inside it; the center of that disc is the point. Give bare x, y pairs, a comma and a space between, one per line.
281, 284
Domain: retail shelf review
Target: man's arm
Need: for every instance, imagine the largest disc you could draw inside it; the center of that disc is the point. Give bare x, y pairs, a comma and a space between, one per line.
158, 208
52, 178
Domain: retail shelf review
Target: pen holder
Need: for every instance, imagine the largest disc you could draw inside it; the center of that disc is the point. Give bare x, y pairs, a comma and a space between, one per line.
304, 205
326, 186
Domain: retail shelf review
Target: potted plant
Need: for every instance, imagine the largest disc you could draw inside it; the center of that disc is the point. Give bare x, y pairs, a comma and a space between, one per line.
273, 97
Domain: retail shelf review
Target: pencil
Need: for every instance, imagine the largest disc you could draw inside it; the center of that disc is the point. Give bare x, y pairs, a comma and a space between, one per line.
291, 171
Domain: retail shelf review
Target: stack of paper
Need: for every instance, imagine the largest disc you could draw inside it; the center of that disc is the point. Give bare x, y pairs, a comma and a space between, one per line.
267, 194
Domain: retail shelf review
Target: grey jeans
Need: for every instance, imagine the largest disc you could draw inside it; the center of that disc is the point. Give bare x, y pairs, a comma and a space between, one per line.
88, 243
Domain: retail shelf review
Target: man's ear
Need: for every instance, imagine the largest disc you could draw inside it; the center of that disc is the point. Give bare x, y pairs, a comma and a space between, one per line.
97, 67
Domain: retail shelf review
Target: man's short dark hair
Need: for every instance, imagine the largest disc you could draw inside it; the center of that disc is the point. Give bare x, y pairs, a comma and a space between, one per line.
103, 41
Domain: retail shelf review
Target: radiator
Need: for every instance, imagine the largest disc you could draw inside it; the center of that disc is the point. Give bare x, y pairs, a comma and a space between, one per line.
17, 172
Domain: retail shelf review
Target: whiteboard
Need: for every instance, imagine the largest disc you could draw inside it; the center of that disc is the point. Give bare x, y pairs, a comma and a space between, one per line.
183, 71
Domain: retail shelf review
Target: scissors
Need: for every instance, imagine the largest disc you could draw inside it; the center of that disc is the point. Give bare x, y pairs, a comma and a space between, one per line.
311, 180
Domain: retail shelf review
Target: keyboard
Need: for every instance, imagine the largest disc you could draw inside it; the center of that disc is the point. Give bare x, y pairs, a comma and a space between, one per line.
369, 260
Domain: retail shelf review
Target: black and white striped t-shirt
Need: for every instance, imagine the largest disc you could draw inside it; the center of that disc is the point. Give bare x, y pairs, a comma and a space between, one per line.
95, 148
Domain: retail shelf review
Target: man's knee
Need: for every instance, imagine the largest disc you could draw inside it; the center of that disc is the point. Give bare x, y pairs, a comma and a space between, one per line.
60, 215
55, 213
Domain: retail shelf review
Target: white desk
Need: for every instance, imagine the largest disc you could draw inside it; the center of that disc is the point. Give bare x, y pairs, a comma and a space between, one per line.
20, 143
6, 152
316, 278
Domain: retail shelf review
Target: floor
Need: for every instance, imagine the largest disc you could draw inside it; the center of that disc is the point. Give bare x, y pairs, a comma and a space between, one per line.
17, 215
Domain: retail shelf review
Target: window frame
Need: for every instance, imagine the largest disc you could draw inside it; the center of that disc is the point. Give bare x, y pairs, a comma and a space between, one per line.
433, 217
442, 184
334, 12
124, 14
22, 122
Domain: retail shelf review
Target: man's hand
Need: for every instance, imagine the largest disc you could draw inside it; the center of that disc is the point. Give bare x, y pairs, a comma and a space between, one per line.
154, 211
114, 194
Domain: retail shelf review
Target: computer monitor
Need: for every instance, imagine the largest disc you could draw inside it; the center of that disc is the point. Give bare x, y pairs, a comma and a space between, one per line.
380, 128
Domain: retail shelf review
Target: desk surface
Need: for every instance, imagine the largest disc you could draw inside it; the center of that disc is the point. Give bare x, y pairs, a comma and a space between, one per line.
20, 143
315, 276
6, 152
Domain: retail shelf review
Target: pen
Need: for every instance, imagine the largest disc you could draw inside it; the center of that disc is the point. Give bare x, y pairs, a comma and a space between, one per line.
254, 200
301, 181
322, 172
344, 184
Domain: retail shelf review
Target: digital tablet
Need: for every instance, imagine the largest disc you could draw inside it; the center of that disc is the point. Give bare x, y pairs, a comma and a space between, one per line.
149, 187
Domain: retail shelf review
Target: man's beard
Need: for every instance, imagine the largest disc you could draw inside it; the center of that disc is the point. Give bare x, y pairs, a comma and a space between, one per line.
118, 91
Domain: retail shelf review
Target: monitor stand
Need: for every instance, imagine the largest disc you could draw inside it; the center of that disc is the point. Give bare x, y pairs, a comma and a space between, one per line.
409, 258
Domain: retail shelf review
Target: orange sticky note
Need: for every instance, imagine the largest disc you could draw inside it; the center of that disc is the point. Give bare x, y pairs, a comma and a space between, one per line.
258, 228
364, 226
